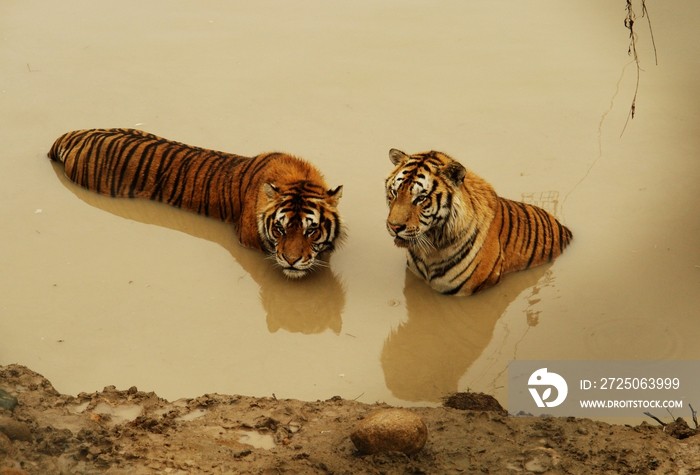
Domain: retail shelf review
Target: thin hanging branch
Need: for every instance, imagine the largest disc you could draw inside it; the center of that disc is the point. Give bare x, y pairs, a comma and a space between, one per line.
632, 50
645, 13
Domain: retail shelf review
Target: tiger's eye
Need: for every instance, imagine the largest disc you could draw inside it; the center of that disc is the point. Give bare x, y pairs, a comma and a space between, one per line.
277, 230
312, 232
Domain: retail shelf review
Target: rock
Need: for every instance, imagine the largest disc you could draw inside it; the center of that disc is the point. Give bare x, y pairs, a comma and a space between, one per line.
6, 447
15, 430
386, 430
7, 400
469, 401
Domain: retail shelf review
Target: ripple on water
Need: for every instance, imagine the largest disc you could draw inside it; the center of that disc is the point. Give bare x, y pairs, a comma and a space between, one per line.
632, 338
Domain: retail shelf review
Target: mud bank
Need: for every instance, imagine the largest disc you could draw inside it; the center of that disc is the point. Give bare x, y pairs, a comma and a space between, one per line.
135, 432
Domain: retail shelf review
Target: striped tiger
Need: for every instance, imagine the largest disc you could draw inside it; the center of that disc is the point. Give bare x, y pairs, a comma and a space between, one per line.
278, 203
459, 236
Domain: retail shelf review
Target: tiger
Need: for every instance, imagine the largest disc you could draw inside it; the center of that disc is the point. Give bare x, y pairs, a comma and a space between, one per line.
278, 204
459, 235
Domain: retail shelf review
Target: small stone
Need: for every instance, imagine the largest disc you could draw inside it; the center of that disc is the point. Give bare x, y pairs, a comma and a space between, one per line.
15, 430
469, 401
390, 430
6, 447
94, 450
7, 401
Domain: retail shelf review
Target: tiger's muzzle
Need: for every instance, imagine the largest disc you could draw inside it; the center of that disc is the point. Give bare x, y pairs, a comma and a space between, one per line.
295, 267
402, 234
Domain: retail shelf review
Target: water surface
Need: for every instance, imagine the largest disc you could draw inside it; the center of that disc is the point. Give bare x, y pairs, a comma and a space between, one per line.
533, 97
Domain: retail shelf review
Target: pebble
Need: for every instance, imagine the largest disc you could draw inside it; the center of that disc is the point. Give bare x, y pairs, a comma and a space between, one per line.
390, 430
15, 430
7, 400
6, 447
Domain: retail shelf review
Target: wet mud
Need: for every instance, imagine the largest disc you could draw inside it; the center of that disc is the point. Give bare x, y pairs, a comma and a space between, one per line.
134, 432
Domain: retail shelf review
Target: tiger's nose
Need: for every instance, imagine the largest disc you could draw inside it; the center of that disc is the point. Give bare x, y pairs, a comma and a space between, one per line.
396, 228
291, 260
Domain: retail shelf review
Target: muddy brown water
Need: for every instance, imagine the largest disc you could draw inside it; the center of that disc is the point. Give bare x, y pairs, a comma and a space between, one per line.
533, 97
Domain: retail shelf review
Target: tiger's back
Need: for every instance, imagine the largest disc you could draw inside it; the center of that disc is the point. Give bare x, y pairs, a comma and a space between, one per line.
529, 235
129, 163
249, 192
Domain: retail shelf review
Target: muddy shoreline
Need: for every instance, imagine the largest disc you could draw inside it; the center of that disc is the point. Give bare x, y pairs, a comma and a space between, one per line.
135, 432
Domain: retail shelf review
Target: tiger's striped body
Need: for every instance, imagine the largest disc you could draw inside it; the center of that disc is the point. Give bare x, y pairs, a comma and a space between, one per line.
459, 235
277, 203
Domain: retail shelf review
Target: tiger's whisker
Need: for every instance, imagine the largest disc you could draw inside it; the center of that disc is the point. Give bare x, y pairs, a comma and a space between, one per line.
320, 263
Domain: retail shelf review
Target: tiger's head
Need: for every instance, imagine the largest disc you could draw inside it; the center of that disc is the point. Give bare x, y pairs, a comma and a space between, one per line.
300, 222
424, 194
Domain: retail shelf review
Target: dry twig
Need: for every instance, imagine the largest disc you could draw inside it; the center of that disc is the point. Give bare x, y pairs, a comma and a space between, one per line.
632, 51
655, 418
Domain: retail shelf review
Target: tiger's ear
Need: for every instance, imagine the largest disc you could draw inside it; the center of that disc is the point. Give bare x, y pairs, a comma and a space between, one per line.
455, 172
271, 191
397, 157
334, 195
